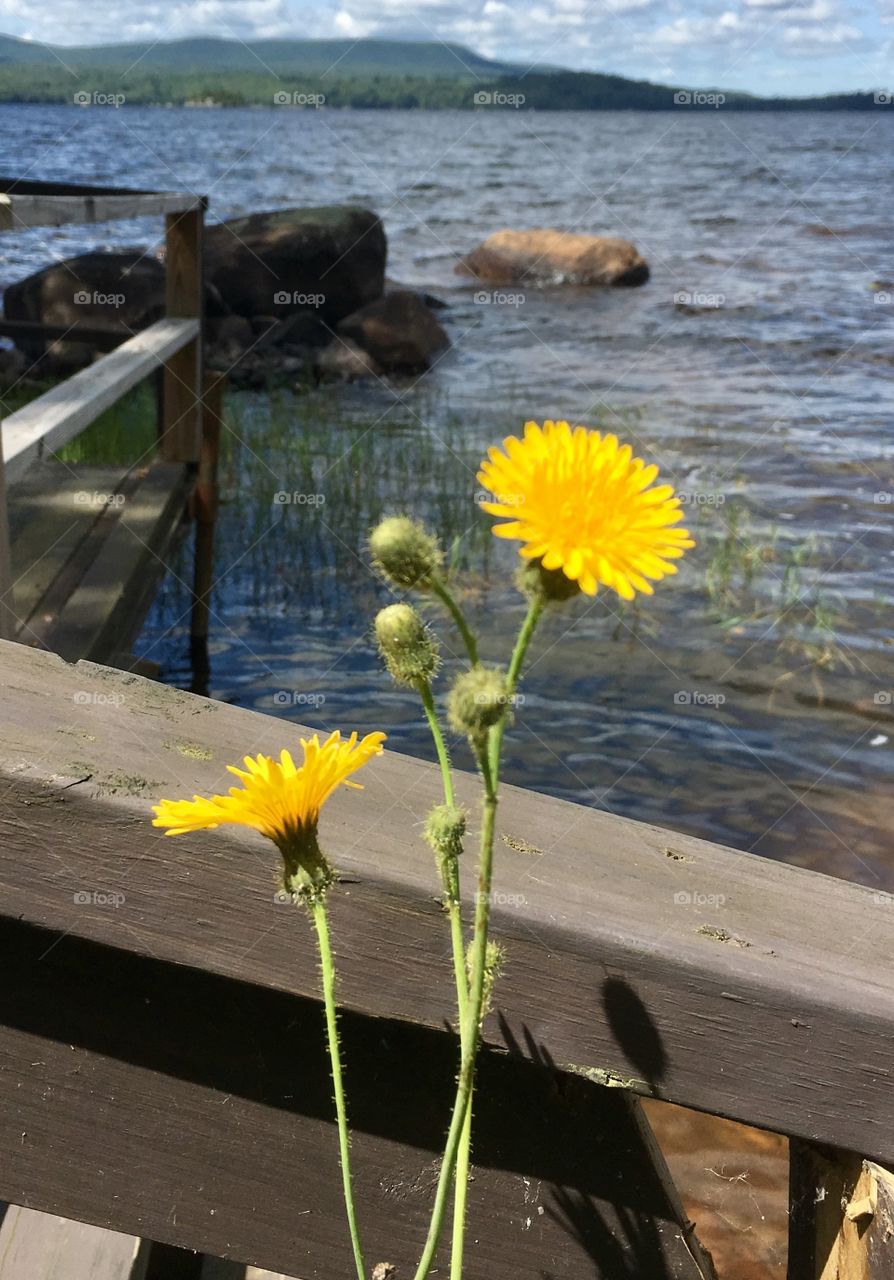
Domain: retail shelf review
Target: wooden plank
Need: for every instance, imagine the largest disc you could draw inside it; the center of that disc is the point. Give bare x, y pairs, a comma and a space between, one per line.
660, 963
47, 423
196, 1110
51, 511
40, 1246
18, 210
104, 612
8, 617
182, 388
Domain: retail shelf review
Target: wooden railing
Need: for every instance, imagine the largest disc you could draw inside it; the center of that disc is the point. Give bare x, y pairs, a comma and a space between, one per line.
47, 423
160, 1032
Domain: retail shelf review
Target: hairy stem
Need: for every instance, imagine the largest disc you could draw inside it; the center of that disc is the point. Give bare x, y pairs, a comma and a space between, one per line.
321, 921
444, 594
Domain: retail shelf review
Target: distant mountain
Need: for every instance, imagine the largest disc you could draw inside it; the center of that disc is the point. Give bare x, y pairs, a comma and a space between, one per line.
358, 74
284, 57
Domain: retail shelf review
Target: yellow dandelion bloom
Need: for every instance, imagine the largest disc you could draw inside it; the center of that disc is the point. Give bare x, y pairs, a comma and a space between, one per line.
280, 799
580, 501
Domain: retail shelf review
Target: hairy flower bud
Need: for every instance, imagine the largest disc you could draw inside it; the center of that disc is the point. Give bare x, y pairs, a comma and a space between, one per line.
405, 552
477, 700
406, 644
549, 585
445, 827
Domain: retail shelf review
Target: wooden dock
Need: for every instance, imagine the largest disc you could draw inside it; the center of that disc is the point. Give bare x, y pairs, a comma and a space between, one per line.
82, 549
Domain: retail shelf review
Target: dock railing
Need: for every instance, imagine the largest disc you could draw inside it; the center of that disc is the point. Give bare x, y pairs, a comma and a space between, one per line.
174, 343
163, 1070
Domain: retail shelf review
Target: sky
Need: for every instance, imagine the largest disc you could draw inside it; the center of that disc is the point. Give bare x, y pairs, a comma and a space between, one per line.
765, 46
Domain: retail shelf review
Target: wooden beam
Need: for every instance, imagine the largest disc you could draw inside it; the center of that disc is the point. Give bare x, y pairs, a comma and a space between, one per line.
182, 389
636, 956
19, 209
8, 619
44, 425
841, 1217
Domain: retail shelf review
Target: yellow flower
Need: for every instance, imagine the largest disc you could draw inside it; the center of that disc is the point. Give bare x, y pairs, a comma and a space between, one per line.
279, 799
580, 502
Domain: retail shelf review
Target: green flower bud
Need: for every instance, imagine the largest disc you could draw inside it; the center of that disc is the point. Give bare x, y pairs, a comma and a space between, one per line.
406, 644
405, 552
494, 959
445, 827
477, 700
550, 585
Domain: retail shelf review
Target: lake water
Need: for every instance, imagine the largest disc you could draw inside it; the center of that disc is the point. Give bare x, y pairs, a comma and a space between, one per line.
749, 702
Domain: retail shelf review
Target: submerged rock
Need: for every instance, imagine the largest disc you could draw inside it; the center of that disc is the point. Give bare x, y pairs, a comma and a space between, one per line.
547, 256
328, 260
399, 332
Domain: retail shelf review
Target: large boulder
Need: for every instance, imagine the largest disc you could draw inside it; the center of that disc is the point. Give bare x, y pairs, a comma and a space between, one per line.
118, 292
330, 260
398, 331
546, 256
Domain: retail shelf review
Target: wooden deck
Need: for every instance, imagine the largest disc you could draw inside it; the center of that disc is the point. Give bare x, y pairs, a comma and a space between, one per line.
89, 546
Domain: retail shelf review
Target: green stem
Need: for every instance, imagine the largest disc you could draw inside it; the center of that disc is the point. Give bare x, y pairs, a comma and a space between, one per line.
318, 910
444, 594
472, 1025
495, 743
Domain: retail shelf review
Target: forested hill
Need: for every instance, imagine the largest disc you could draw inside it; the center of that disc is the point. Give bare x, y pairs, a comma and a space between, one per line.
362, 74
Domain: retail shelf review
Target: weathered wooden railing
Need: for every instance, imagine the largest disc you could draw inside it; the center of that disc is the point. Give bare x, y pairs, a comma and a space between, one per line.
161, 1059
48, 422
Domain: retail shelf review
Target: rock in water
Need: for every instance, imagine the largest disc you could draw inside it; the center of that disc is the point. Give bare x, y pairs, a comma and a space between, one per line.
547, 256
114, 291
398, 331
330, 260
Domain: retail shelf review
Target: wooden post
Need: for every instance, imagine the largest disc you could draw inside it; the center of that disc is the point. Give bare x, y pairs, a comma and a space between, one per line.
182, 396
841, 1208
7, 604
205, 507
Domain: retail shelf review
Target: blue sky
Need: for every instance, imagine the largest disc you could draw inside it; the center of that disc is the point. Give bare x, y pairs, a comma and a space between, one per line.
766, 46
